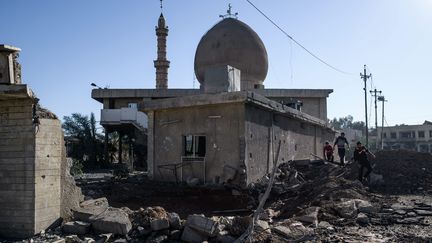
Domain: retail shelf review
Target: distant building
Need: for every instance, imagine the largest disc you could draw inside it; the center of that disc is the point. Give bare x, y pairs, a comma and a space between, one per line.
411, 137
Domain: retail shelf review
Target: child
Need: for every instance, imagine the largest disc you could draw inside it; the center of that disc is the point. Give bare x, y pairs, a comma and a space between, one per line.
328, 152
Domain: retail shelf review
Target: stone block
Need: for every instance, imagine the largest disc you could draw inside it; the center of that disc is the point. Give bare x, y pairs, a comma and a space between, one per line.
347, 209
262, 226
76, 227
112, 220
205, 226
174, 220
310, 216
159, 224
90, 208
282, 230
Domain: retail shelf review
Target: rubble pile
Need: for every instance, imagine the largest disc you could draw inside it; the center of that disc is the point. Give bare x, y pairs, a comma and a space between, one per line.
403, 172
313, 201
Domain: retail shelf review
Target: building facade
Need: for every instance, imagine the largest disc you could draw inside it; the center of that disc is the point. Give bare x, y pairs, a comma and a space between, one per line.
410, 137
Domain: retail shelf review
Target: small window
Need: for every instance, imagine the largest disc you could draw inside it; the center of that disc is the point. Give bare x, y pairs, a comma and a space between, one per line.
384, 135
393, 135
407, 134
194, 146
421, 134
430, 134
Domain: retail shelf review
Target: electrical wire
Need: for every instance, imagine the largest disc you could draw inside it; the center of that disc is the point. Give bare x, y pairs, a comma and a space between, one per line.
291, 64
298, 43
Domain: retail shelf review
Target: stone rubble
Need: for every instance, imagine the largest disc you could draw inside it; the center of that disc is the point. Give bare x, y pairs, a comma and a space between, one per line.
312, 202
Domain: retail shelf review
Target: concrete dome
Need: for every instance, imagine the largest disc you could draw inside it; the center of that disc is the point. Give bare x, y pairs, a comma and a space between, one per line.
232, 42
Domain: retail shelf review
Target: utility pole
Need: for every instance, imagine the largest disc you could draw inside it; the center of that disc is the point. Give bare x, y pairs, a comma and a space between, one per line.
374, 94
383, 100
365, 77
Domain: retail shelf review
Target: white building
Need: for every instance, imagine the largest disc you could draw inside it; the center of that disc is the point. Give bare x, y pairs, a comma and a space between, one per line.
411, 137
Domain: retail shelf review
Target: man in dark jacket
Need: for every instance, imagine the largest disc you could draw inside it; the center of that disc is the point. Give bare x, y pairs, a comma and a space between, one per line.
340, 142
361, 156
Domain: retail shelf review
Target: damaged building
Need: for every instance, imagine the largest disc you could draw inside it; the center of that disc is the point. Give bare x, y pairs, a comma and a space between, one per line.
227, 130
35, 186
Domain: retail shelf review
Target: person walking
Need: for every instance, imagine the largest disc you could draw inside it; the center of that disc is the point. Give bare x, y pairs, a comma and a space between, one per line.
328, 152
340, 142
361, 156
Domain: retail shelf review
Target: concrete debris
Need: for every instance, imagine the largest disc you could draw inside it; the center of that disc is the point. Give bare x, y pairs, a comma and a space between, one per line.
202, 224
90, 208
346, 209
159, 224
113, 220
174, 220
262, 226
315, 202
310, 216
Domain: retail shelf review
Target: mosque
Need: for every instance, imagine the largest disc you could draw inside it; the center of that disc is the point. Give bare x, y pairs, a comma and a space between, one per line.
232, 128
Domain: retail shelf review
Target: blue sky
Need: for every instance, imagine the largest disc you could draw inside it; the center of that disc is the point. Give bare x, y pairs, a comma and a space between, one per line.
66, 45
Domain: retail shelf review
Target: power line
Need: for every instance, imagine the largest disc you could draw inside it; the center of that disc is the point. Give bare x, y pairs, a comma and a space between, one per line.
304, 48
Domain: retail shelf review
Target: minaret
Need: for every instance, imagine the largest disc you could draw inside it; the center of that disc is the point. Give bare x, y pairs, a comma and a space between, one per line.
161, 64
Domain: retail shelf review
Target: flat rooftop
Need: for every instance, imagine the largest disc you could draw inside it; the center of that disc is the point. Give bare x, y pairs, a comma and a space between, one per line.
100, 94
249, 97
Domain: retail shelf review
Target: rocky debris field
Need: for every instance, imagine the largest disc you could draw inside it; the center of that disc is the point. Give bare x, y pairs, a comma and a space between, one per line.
309, 202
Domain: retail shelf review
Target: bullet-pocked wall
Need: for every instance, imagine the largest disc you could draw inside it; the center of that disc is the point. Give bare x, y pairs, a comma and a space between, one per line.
264, 129
30, 164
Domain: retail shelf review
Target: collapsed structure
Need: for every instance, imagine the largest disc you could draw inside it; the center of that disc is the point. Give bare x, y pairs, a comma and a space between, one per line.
227, 130
34, 181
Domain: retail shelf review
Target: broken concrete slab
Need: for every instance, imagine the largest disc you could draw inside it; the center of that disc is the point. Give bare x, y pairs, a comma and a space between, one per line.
347, 209
113, 220
90, 208
310, 216
202, 224
76, 227
159, 224
262, 226
282, 230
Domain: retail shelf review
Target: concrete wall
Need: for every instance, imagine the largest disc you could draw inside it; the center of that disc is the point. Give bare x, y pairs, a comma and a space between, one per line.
263, 131
222, 125
48, 158
30, 162
17, 180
